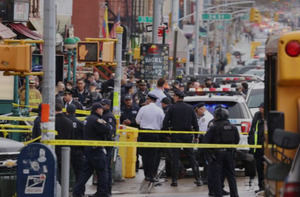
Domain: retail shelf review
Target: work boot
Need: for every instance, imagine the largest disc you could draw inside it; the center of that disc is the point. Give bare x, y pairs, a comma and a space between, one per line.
174, 183
197, 175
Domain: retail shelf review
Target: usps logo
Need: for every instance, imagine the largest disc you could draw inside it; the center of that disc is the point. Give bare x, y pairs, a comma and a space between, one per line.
35, 184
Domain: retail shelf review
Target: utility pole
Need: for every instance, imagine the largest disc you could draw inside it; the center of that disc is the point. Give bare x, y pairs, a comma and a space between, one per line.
175, 14
118, 74
156, 19
48, 91
196, 31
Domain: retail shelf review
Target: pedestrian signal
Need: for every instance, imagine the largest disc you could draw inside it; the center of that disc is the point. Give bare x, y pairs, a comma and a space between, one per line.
15, 58
87, 51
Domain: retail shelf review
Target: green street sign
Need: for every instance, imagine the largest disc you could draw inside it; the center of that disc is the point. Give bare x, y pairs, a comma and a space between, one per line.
145, 19
220, 17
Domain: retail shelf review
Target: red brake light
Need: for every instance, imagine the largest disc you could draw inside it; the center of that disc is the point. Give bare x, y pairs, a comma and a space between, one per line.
245, 127
293, 48
291, 190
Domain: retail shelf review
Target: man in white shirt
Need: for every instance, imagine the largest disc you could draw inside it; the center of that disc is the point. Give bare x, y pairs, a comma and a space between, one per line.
203, 116
150, 117
159, 91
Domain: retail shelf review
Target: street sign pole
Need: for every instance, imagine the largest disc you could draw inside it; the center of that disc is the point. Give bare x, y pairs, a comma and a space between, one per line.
156, 20
48, 91
196, 49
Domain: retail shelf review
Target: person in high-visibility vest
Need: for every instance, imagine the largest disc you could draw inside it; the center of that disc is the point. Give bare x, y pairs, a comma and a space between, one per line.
256, 137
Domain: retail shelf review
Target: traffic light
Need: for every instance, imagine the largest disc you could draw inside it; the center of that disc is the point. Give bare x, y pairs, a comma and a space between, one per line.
255, 16
87, 51
288, 59
15, 58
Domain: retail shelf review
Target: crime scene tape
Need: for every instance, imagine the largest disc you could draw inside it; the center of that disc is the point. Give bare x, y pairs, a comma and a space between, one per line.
170, 132
15, 126
158, 131
29, 106
33, 140
143, 144
15, 131
17, 118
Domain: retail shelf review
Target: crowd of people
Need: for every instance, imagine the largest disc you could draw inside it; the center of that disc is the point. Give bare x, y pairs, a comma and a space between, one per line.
158, 108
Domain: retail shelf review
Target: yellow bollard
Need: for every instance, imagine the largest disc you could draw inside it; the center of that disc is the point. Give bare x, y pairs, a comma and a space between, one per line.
123, 152
131, 155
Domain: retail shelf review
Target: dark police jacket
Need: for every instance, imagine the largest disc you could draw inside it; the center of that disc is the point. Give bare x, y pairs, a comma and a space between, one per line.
130, 114
257, 123
63, 126
85, 98
222, 132
96, 128
77, 127
110, 119
181, 117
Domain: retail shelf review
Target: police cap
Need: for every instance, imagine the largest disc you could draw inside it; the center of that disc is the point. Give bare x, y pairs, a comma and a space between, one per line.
67, 91
179, 94
96, 106
166, 101
127, 97
262, 105
106, 102
152, 97
199, 105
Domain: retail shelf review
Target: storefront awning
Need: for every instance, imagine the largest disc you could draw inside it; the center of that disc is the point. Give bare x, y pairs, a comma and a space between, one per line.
5, 32
22, 29
37, 24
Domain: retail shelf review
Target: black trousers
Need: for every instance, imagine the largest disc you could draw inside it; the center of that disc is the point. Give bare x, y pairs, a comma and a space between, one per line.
223, 165
259, 161
150, 156
96, 159
175, 156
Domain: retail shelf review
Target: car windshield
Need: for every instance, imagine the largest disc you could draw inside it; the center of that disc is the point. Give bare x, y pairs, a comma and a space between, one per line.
256, 97
236, 110
256, 72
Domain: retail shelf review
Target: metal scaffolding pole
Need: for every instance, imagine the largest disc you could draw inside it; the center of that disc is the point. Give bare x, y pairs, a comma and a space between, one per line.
196, 31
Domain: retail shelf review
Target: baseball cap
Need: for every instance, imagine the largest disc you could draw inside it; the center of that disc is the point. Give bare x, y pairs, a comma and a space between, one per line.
200, 105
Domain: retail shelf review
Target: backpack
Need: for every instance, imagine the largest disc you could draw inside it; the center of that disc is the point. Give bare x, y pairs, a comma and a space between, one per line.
227, 133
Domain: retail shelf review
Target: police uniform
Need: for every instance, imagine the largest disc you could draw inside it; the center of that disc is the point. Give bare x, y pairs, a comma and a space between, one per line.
77, 156
110, 119
129, 113
181, 117
221, 160
84, 98
150, 117
256, 137
95, 128
64, 127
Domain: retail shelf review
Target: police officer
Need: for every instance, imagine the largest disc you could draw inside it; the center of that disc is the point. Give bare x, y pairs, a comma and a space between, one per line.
64, 128
68, 99
150, 117
96, 157
181, 117
129, 112
110, 119
77, 156
222, 160
141, 94
256, 137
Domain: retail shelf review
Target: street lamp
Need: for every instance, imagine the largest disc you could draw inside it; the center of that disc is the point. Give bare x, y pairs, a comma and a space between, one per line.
70, 45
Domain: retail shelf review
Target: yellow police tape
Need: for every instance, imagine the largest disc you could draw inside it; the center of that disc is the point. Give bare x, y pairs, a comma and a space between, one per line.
143, 144
170, 132
15, 126
33, 140
15, 131
17, 118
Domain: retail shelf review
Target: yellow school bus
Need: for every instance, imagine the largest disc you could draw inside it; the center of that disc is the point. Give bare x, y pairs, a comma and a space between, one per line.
282, 106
